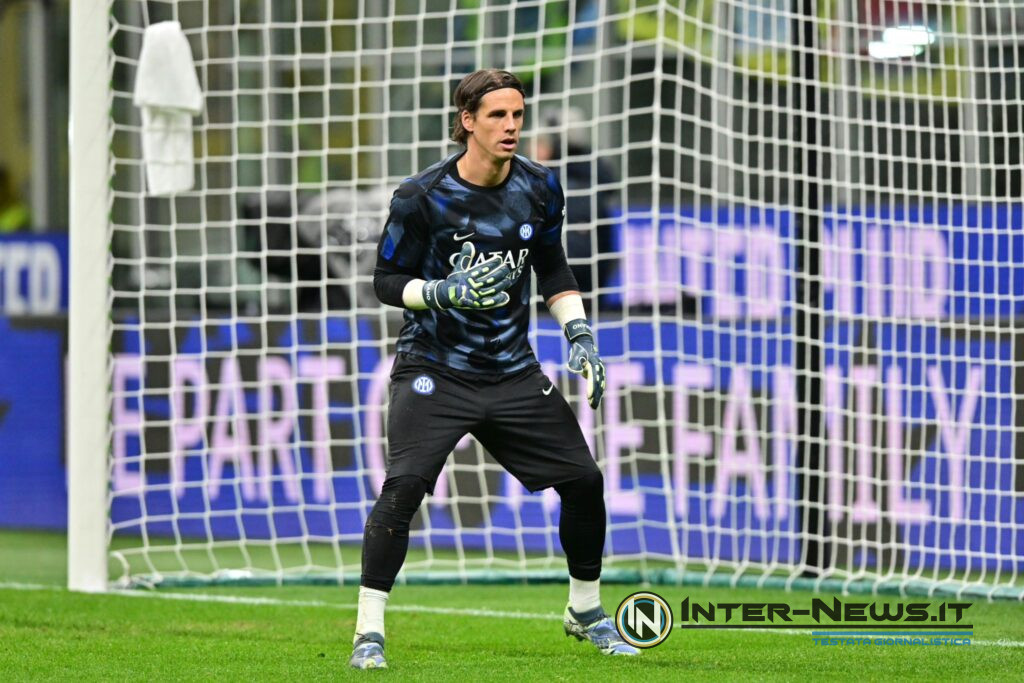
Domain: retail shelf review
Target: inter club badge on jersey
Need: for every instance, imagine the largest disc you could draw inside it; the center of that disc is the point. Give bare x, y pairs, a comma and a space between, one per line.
423, 385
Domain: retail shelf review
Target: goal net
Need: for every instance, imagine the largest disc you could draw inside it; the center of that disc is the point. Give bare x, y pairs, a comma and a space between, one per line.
797, 225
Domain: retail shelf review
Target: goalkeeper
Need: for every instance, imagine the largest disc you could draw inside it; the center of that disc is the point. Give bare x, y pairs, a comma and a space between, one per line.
456, 253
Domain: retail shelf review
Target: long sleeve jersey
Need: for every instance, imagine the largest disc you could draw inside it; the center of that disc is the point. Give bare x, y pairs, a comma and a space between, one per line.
436, 212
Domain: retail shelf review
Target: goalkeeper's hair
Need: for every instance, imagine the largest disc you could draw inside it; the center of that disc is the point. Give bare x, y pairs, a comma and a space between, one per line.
472, 89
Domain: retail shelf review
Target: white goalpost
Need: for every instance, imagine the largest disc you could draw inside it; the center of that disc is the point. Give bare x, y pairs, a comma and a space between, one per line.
798, 226
88, 317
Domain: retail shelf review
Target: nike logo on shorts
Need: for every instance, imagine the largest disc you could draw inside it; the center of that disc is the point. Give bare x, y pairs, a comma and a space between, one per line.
548, 390
459, 238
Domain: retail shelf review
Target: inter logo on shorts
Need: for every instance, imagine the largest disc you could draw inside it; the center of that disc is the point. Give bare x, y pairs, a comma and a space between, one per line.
644, 620
525, 231
423, 385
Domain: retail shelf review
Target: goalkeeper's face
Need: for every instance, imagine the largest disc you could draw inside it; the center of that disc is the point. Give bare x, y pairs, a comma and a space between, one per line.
496, 126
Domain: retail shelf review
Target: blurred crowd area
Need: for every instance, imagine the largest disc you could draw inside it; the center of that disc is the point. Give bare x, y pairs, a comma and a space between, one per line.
34, 38
674, 103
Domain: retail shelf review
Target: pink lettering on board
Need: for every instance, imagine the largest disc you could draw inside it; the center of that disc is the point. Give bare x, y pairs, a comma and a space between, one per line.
874, 273
733, 463
126, 368
727, 245
864, 379
321, 369
833, 390
784, 430
275, 435
688, 442
620, 435
230, 442
955, 434
900, 508
638, 263
693, 246
186, 430
909, 279
837, 259
373, 442
929, 274
898, 273
765, 281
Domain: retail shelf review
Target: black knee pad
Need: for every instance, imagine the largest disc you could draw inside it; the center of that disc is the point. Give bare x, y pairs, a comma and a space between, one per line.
399, 500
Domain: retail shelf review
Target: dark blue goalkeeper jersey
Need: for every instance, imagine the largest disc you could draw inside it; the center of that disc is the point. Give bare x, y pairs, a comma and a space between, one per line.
433, 215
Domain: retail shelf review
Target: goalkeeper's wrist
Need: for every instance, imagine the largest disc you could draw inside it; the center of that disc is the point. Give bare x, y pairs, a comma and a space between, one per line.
574, 329
434, 295
566, 306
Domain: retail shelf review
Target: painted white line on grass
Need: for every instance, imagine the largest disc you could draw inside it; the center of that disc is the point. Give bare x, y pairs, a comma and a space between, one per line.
275, 602
17, 586
999, 643
414, 609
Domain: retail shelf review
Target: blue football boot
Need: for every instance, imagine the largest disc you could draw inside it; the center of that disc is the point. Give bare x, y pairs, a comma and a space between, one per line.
597, 627
368, 652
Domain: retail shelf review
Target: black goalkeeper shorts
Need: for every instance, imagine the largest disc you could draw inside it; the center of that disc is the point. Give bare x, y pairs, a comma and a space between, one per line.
521, 419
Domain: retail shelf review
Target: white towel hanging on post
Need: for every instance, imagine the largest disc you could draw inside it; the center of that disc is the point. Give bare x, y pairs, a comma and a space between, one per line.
167, 90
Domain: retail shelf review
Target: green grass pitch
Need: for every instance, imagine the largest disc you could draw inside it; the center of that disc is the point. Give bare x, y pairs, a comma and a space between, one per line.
434, 633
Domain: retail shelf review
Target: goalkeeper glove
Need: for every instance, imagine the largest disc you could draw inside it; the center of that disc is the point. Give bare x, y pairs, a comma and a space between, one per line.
478, 287
583, 359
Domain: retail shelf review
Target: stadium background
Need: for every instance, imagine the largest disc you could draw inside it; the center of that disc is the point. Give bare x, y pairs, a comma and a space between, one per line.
33, 303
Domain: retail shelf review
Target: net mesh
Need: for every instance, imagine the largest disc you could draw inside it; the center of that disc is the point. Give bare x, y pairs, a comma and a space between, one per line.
798, 231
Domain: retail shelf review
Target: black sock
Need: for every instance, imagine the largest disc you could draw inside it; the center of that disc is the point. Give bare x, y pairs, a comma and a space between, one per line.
582, 524
386, 534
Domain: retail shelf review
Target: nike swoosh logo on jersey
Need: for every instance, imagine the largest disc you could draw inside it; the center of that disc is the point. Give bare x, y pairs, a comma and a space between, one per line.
548, 390
459, 238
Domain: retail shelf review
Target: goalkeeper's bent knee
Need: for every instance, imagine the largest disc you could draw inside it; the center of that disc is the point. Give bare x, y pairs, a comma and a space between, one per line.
583, 492
399, 500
